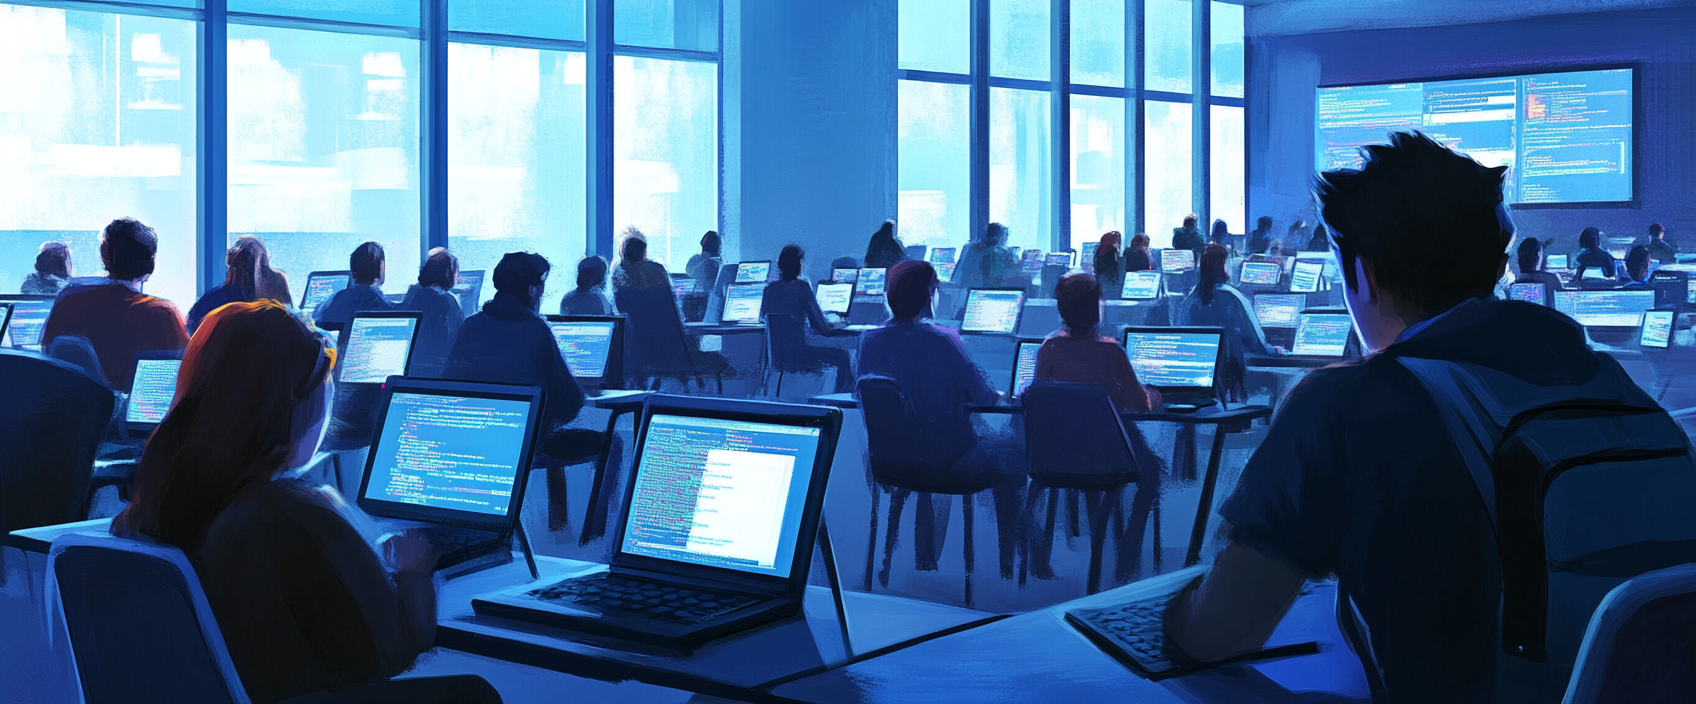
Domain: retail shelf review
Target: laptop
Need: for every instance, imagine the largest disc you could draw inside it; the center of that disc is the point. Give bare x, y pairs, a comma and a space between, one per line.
1176, 261
1089, 255
1261, 273
1657, 330
753, 272
1595, 274
742, 304
1323, 334
1605, 309
871, 281
28, 319
379, 345
1024, 368
720, 522
682, 285
1059, 259
1555, 262
1305, 277
834, 297
5, 318
1030, 261
992, 311
593, 349
154, 391
320, 286
469, 290
1141, 285
1183, 363
844, 276
1529, 292
1279, 310
450, 459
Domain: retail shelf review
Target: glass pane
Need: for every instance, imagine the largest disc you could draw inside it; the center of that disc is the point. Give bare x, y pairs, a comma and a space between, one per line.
1098, 168
666, 24
1098, 42
516, 159
665, 151
935, 163
399, 13
1166, 45
1020, 164
1166, 169
1228, 50
97, 121
936, 35
324, 148
1019, 38
1228, 160
546, 19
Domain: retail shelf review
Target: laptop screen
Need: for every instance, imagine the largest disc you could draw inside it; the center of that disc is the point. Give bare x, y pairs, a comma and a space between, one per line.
378, 348
871, 281
1141, 285
1089, 255
844, 276
1024, 366
753, 272
1323, 335
1030, 261
1594, 274
1530, 293
320, 287
720, 493
1605, 309
29, 317
1555, 261
1305, 278
448, 451
1176, 261
992, 312
585, 345
469, 290
1262, 273
155, 387
1279, 310
5, 318
1657, 329
1060, 259
1174, 358
742, 303
835, 298
941, 255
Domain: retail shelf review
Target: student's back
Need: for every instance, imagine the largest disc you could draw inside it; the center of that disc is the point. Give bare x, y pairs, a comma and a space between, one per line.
438, 327
118, 322
508, 342
351, 301
593, 301
1228, 308
939, 378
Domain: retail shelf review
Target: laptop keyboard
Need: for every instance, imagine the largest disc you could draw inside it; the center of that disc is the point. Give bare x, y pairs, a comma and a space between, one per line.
450, 541
666, 602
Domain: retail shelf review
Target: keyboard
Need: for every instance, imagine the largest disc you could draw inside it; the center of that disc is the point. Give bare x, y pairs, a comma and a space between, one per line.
452, 543
610, 592
1135, 634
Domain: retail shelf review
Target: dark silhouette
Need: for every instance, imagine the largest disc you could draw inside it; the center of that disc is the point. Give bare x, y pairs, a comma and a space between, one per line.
242, 280
792, 296
1663, 251
1138, 257
1078, 353
885, 248
441, 315
1109, 268
1531, 271
52, 270
1188, 237
115, 317
634, 269
1261, 237
1221, 234
590, 297
365, 292
1592, 256
703, 267
1215, 303
1637, 269
1320, 242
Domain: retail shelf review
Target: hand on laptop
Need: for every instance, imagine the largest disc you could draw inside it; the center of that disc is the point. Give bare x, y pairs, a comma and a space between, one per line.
409, 551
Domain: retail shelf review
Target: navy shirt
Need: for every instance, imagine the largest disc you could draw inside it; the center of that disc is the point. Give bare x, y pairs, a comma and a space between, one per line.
220, 295
936, 374
509, 343
793, 297
356, 298
438, 326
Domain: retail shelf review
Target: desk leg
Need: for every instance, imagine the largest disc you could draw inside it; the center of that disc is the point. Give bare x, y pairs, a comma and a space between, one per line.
1202, 511
594, 520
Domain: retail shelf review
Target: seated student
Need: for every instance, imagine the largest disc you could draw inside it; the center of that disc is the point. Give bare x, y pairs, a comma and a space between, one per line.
634, 269
1531, 266
1592, 256
273, 284
885, 249
441, 316
370, 267
1108, 266
1320, 242
52, 271
590, 297
1189, 236
703, 268
1358, 477
1215, 303
241, 280
998, 266
116, 317
1138, 257
939, 379
791, 295
1659, 248
304, 603
1261, 237
1636, 269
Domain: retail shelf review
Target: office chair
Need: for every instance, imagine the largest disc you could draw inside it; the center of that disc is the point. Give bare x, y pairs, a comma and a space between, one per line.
1639, 646
1076, 441
78, 352
658, 345
786, 351
141, 630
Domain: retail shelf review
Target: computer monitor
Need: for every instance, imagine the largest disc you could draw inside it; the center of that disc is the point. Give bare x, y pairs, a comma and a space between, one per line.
753, 272
945, 272
1323, 334
29, 318
941, 255
1030, 261
1060, 259
1305, 277
992, 311
1024, 367
1595, 274
844, 276
682, 285
1657, 329
742, 303
592, 347
379, 345
469, 290
1089, 255
1174, 359
1141, 285
1529, 292
871, 281
834, 298
1262, 273
1620, 253
1176, 261
1690, 290
1605, 309
1279, 310
1555, 262
154, 390
321, 285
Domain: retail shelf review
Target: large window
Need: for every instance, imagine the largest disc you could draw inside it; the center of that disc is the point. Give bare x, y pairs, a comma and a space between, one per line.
935, 179
1020, 165
665, 151
1098, 168
1167, 171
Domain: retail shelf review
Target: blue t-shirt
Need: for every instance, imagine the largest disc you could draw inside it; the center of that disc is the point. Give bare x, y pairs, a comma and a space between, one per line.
938, 377
356, 298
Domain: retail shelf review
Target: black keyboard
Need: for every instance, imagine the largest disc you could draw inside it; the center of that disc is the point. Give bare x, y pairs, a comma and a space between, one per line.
451, 543
609, 592
1135, 634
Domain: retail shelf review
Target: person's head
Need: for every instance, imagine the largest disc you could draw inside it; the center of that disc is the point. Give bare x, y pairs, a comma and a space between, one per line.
54, 259
789, 262
710, 243
440, 269
1078, 299
634, 250
995, 235
1189, 221
1107, 254
1411, 197
1657, 231
241, 267
127, 248
885, 233
522, 275
909, 286
1590, 238
369, 264
1264, 224
1212, 272
252, 398
591, 272
1530, 255
1139, 243
1637, 263
1221, 232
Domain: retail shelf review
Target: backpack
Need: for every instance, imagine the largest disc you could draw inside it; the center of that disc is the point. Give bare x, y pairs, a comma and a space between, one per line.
1586, 486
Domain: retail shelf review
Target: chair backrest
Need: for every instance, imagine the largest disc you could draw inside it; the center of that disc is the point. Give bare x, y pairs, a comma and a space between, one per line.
786, 339
1639, 646
1073, 433
139, 624
51, 423
896, 437
78, 352
656, 339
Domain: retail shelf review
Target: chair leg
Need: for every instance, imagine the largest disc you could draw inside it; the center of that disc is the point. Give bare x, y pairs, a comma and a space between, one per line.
336, 465
779, 393
1027, 537
966, 517
1157, 547
559, 500
896, 502
871, 542
1072, 502
1095, 503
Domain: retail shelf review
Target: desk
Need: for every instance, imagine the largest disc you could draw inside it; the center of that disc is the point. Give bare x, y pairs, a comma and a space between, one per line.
1038, 657
721, 329
618, 403
39, 540
1278, 361
1232, 420
731, 667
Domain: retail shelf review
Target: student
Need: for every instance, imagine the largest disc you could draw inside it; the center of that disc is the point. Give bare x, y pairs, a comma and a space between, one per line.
1531, 266
590, 297
241, 280
52, 270
1591, 255
885, 248
968, 262
273, 284
1261, 237
1221, 234
703, 268
939, 379
116, 317
1215, 303
791, 295
634, 269
1320, 242
1636, 269
304, 603
1358, 476
1138, 257
370, 268
1663, 251
1109, 269
1189, 236
998, 265
440, 312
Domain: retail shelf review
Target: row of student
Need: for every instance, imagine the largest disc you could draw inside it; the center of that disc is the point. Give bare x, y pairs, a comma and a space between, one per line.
1631, 274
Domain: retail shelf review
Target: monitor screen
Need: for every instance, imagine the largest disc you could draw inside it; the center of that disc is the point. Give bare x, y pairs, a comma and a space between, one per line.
1279, 310
1305, 278
1089, 255
469, 289
319, 288
1530, 293
941, 255
1566, 137
1323, 335
452, 452
1689, 291
29, 317
753, 272
1176, 261
1657, 329
1031, 260
682, 285
1555, 261
1060, 259
1024, 367
945, 272
1141, 285
1173, 358
871, 281
844, 276
378, 348
992, 311
1605, 309
585, 345
834, 298
1594, 274
1262, 273
742, 303
1619, 254
720, 493
155, 387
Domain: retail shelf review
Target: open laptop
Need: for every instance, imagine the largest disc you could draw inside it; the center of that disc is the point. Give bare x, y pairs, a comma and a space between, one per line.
1529, 292
943, 260
379, 345
154, 391
753, 272
469, 290
1030, 261
1141, 285
1024, 368
1323, 334
28, 319
1305, 277
1059, 259
682, 285
992, 311
1088, 262
450, 459
1657, 330
593, 349
1279, 310
834, 297
5, 318
321, 285
1183, 363
1176, 261
1555, 262
742, 304
1605, 309
844, 276
1261, 273
720, 522
871, 281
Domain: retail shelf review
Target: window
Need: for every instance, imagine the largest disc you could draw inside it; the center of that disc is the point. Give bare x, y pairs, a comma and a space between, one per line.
1166, 170
1228, 50
1166, 38
1019, 165
541, 19
397, 13
1098, 42
1228, 202
1098, 168
666, 24
1019, 39
935, 164
665, 153
935, 35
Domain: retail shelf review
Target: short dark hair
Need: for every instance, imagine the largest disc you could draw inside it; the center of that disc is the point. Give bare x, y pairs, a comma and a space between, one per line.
908, 287
1637, 261
1411, 197
591, 272
1265, 222
440, 269
127, 248
1077, 296
54, 259
634, 249
518, 271
996, 233
1590, 238
1530, 255
367, 261
1211, 272
1655, 229
710, 243
1190, 220
789, 261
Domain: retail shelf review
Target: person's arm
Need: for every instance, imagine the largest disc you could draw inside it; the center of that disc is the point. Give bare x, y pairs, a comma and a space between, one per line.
970, 378
565, 396
1235, 608
1256, 337
815, 316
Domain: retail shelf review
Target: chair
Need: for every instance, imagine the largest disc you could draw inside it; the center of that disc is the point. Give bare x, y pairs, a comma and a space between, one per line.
1639, 646
353, 423
78, 352
141, 630
786, 345
1077, 441
658, 347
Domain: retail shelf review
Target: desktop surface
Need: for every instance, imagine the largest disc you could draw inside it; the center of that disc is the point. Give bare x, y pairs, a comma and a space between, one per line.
742, 303
378, 348
155, 387
1279, 310
1175, 358
585, 345
1323, 335
992, 311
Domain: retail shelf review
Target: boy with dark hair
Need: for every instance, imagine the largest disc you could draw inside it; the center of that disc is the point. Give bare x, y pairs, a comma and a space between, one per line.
1530, 258
590, 297
1663, 251
116, 317
370, 268
792, 296
1636, 269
